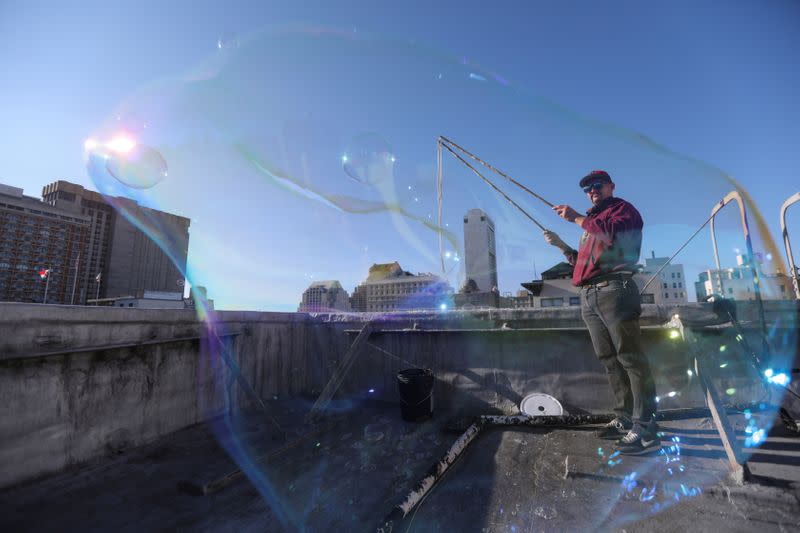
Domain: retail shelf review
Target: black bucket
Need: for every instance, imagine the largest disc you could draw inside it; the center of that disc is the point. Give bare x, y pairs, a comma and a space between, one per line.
416, 393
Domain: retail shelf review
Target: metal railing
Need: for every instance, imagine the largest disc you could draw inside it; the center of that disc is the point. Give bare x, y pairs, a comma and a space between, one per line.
731, 196
793, 273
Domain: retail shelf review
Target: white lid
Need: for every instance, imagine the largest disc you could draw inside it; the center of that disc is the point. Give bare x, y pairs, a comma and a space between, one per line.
541, 404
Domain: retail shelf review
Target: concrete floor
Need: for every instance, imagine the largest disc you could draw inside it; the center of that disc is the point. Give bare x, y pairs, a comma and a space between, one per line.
351, 469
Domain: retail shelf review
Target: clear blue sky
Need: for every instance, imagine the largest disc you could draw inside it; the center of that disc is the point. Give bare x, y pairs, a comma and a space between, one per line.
716, 81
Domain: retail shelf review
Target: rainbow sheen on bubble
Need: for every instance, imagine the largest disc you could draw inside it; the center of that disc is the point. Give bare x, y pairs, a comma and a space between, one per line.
305, 154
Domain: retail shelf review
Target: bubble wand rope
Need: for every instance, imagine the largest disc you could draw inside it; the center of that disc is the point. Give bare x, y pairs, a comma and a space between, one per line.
668, 261
443, 139
493, 186
447, 143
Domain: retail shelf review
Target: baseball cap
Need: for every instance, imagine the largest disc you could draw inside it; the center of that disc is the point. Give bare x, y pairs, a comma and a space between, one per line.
595, 175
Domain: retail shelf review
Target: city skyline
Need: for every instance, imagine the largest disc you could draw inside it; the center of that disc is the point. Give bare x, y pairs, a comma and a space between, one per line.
55, 193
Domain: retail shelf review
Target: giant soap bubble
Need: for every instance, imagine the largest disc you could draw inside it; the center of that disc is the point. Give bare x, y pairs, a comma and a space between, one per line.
304, 154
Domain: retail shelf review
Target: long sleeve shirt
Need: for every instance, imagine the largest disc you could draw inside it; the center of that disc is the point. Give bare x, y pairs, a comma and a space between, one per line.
611, 242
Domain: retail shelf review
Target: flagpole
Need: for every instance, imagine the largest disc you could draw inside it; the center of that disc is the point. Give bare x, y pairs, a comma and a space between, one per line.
46, 285
75, 279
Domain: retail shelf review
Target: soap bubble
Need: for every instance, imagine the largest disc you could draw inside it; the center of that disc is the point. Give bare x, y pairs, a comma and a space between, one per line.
310, 150
227, 41
141, 168
369, 159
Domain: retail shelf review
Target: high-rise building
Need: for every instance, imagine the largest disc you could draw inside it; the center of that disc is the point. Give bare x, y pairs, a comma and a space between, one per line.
480, 257
324, 296
127, 260
389, 288
75, 199
37, 237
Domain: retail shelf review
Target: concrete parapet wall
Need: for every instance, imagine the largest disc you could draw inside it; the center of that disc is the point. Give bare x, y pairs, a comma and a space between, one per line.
78, 382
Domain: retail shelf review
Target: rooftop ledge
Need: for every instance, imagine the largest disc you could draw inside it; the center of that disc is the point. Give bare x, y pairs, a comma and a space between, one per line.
35, 330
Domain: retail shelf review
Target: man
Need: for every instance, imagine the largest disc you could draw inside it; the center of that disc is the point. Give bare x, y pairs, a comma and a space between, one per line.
604, 265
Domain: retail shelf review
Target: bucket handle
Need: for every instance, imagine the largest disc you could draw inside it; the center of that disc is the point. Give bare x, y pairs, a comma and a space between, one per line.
419, 402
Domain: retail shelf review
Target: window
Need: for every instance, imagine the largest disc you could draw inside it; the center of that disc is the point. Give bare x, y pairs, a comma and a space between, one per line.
680, 285
666, 295
679, 275
552, 302
674, 285
730, 291
665, 286
682, 295
676, 294
648, 298
576, 300
783, 288
673, 275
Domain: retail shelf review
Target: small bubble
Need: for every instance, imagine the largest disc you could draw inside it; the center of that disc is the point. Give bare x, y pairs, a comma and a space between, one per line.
369, 159
227, 41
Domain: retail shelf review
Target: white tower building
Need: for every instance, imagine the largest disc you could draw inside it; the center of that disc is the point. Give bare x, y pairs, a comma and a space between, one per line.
479, 250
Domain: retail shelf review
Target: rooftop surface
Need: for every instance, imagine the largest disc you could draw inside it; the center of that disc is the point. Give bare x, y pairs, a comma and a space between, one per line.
347, 471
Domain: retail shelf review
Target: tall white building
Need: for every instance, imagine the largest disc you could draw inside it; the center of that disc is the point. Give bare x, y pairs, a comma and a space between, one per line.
480, 257
671, 286
324, 296
738, 283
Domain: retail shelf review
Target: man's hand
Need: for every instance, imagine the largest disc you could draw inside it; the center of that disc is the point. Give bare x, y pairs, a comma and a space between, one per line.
566, 212
552, 238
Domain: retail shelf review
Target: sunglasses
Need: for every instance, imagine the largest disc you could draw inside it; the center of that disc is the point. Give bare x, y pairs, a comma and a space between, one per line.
596, 186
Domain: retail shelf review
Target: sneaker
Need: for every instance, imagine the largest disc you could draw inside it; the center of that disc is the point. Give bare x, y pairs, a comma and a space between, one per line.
638, 441
614, 430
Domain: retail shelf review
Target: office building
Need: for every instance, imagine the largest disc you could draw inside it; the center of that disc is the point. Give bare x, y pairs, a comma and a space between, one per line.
738, 283
480, 257
37, 237
671, 286
389, 288
128, 260
324, 296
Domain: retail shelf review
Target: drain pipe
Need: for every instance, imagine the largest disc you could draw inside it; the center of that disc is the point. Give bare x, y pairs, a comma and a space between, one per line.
421, 489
